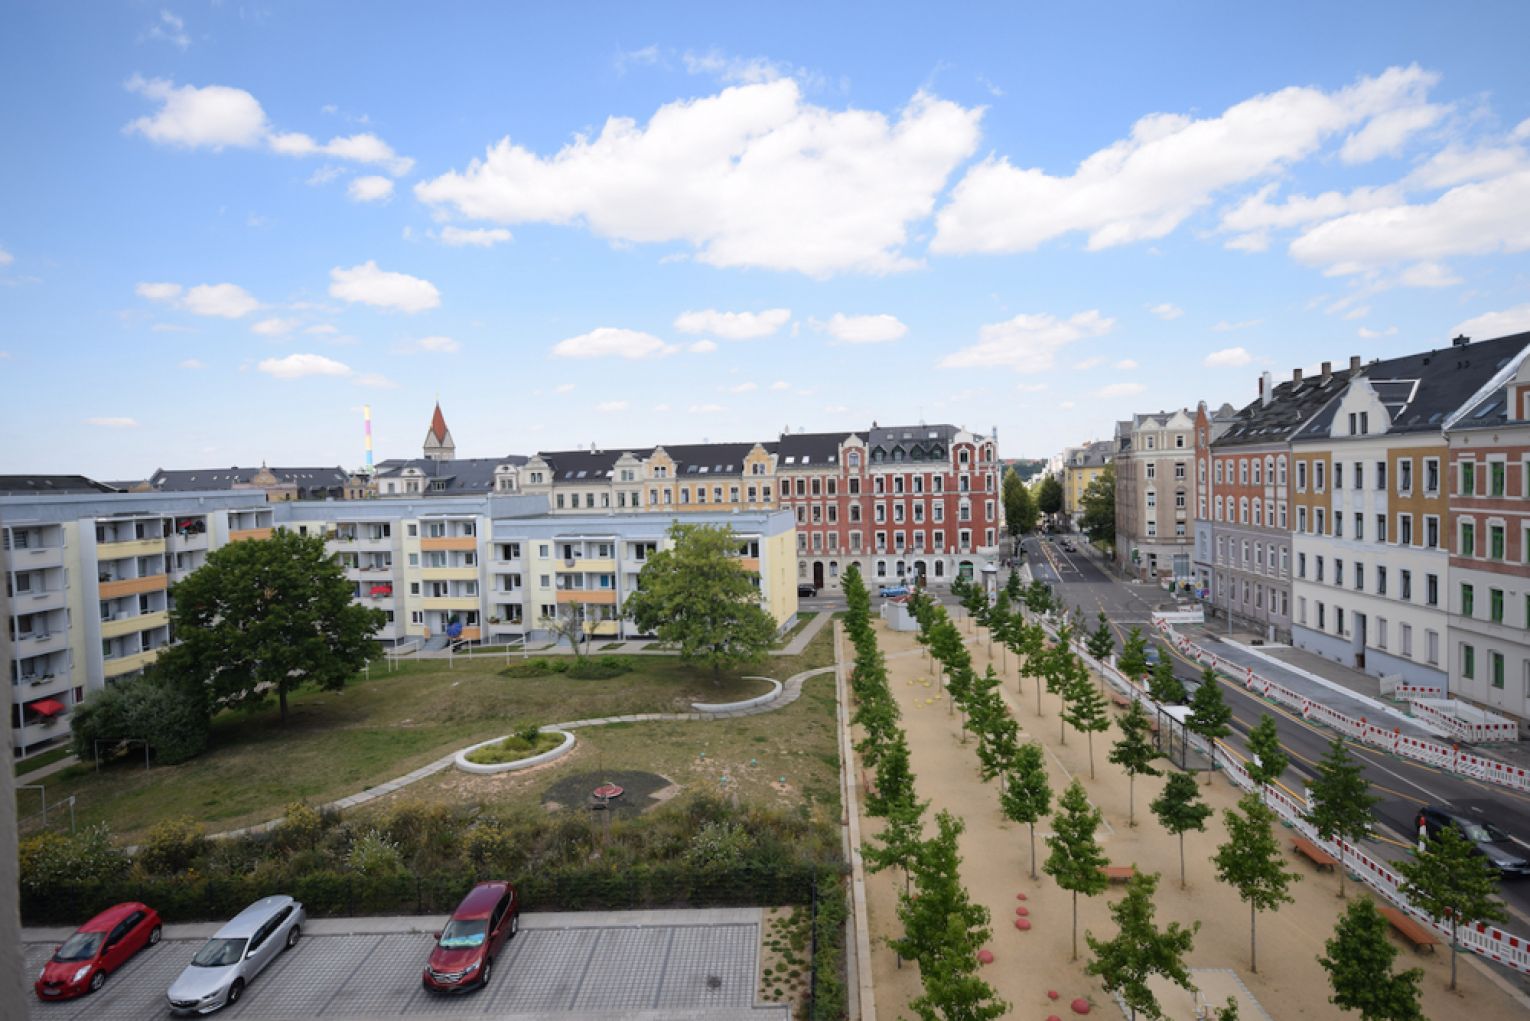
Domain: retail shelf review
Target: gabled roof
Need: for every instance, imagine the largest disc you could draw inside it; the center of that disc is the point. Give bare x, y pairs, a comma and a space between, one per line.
185, 480
586, 465
810, 450
23, 485
1292, 404
708, 458
460, 477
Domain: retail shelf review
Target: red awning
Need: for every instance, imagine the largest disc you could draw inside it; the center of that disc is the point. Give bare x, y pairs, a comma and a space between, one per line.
47, 706
382, 590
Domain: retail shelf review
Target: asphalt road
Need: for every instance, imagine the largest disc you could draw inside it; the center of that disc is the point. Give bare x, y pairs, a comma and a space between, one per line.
1402, 785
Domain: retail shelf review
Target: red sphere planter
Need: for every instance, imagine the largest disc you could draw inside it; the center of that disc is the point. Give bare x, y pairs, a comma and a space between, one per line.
1080, 1006
1052, 994
985, 956
1022, 911
1022, 924
1021, 896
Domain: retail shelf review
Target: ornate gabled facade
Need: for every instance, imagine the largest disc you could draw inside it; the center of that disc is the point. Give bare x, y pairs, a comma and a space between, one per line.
1153, 458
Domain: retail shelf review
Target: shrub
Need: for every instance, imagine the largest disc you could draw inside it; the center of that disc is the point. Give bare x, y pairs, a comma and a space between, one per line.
175, 722
515, 748
373, 854
600, 668
718, 845
172, 847
51, 860
302, 827
492, 848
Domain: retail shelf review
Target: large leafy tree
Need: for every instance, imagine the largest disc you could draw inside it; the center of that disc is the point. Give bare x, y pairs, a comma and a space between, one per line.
1027, 796
1099, 506
1134, 753
1049, 496
1019, 509
1141, 950
1076, 858
1180, 809
1250, 862
1359, 964
1340, 800
695, 597
266, 617
1452, 884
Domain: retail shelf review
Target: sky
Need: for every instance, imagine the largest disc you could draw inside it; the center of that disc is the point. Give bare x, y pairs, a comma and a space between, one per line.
226, 227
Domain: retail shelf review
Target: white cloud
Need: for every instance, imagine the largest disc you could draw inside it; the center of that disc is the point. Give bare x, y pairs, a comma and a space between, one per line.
780, 384
706, 409
753, 176
1223, 326
363, 148
702, 347
1358, 312
376, 381
733, 325
113, 423
868, 329
169, 29
743, 388
1120, 390
1030, 388
326, 174
157, 292
6, 258
296, 366
1167, 312
213, 116
435, 345
230, 301
612, 342
1496, 324
322, 329
612, 406
370, 189
661, 408
193, 363
483, 237
1092, 362
1386, 133
1127, 364
1370, 334
1027, 343
1144, 186
372, 286
1456, 164
1228, 357
564, 388
1427, 274
275, 327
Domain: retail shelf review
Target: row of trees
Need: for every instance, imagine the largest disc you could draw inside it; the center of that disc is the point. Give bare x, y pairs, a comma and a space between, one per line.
1023, 507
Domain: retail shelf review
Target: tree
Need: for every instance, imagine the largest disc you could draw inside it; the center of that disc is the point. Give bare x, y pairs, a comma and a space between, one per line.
695, 597
265, 617
1180, 809
1209, 715
1014, 589
1026, 796
1452, 884
895, 780
1340, 800
1085, 709
568, 628
1359, 964
1250, 862
1032, 648
1141, 950
998, 620
1134, 753
1133, 659
1076, 858
1166, 687
174, 720
1267, 761
1099, 507
1049, 496
1019, 509
1102, 640
1038, 597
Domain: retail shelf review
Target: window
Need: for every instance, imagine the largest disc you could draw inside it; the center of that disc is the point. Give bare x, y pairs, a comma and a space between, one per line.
1338, 572
1150, 470
1338, 620
1468, 546
1152, 499
1219, 472
1381, 475
1319, 566
1359, 481
1468, 600
1179, 470
1432, 531
1381, 633
1469, 478
1495, 542
1407, 639
1381, 580
1432, 647
1468, 661
1495, 605
1359, 577
1301, 519
1381, 528
1258, 475
1338, 525
1321, 524
1432, 589
1338, 475
1301, 565
1301, 609
1321, 617
1281, 469
1317, 475
1301, 476
1495, 669
1405, 475
1406, 586
1405, 529
1359, 525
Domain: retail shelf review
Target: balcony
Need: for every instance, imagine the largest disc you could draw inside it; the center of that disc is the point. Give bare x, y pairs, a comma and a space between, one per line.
112, 589
127, 664
596, 565
465, 543
43, 685
37, 601
126, 624
597, 596
188, 541
240, 534
34, 734
131, 548
35, 558
40, 643
451, 602
449, 573
749, 564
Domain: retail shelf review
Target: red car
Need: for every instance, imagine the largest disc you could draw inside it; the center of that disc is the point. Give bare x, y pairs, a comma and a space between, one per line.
463, 956
98, 948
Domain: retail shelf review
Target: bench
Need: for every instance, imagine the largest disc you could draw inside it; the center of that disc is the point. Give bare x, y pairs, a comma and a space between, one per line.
1118, 873
1121, 701
1409, 928
867, 784
1321, 858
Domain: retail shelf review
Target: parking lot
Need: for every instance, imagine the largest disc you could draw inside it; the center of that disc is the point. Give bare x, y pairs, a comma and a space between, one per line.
651, 964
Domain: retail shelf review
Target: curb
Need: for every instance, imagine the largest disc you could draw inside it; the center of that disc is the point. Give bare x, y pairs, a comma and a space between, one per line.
748, 703
460, 760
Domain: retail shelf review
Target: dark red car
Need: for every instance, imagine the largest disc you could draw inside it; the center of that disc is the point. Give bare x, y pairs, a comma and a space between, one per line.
464, 954
98, 948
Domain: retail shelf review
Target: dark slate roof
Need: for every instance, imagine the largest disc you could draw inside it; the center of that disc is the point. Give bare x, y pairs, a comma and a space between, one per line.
1489, 410
809, 450
1422, 390
586, 465
462, 475
1095, 454
708, 458
1291, 405
919, 442
202, 479
50, 485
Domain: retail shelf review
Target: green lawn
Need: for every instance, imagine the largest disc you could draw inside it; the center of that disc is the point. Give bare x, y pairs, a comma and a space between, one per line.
335, 744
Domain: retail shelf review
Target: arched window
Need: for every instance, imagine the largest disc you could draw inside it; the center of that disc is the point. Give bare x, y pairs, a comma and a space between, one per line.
853, 459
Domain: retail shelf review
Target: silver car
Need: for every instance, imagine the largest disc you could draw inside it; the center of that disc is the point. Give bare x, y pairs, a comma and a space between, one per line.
241, 949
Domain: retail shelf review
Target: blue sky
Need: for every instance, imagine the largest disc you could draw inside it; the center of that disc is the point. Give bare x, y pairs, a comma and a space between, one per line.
226, 227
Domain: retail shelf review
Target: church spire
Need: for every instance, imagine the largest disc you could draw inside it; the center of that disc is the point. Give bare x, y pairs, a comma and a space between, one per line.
438, 441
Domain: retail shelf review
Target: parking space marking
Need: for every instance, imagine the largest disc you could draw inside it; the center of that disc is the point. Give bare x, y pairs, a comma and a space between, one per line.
309, 976
621, 975
712, 966
543, 978
386, 977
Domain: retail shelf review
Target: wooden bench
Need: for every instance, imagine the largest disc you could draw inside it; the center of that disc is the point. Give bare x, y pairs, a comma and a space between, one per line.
1118, 873
1321, 858
1409, 928
1121, 701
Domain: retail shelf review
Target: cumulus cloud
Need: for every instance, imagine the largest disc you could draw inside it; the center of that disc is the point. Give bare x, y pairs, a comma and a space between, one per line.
363, 148
169, 28
1228, 357
482, 237
701, 347
564, 388
228, 301
743, 388
158, 292
1028, 342
612, 342
733, 325
275, 327
372, 286
1144, 186
867, 329
1495, 324
297, 366
752, 176
1166, 311
370, 189
780, 384
113, 423
1120, 390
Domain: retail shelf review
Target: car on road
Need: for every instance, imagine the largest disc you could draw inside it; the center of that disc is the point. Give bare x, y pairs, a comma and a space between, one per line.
98, 948
218, 974
892, 591
463, 957
807, 589
1152, 654
1488, 840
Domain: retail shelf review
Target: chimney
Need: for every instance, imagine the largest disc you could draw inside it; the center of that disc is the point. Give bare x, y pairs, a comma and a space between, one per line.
1461, 340
1354, 363
1327, 371
1266, 388
1296, 375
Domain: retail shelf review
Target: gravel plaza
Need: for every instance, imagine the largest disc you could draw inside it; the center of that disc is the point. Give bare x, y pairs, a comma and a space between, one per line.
687, 965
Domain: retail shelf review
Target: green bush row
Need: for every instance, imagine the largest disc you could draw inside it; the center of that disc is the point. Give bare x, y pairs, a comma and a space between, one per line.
586, 668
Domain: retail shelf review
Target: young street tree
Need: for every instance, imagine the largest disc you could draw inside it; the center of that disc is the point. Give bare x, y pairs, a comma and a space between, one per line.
1267, 761
1133, 659
1084, 708
1141, 950
1076, 858
1026, 796
1250, 862
1340, 800
1450, 882
1134, 753
695, 597
268, 616
1099, 504
1209, 714
1167, 688
1180, 809
1102, 640
1359, 964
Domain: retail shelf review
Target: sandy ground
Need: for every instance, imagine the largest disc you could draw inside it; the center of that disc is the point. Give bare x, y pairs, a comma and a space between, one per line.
996, 867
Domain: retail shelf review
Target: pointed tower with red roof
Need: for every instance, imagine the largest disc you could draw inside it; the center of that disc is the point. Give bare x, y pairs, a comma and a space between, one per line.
438, 441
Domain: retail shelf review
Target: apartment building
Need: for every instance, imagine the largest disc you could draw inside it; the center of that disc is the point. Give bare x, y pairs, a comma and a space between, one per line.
1370, 500
279, 484
1488, 471
1154, 454
1208, 428
88, 579
1081, 466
